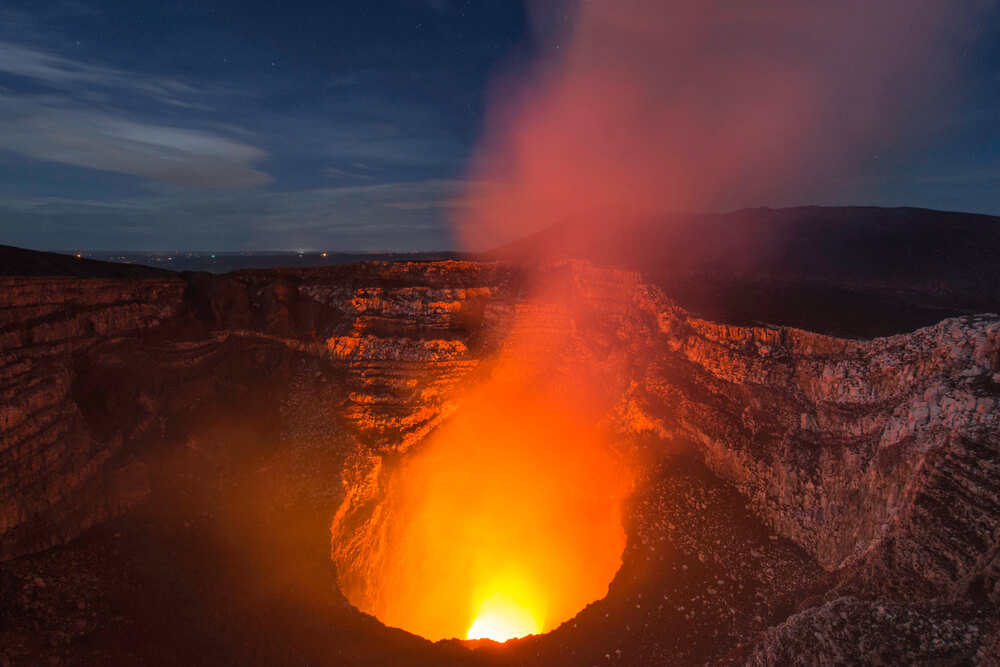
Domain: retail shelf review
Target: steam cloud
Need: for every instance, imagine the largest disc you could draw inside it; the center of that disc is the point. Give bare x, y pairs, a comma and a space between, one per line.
688, 105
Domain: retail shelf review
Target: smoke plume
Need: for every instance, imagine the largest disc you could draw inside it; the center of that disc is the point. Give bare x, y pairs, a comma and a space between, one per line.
701, 105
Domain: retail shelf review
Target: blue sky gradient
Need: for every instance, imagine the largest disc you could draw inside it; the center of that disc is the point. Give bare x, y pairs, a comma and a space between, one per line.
334, 126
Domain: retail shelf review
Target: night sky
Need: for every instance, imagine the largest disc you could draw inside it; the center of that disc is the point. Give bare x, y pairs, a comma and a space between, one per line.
341, 126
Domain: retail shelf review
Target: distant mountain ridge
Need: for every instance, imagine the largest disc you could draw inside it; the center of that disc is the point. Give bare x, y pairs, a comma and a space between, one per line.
22, 262
849, 271
860, 271
808, 238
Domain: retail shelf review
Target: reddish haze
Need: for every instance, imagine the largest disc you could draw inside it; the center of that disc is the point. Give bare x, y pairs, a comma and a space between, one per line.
508, 520
507, 523
704, 105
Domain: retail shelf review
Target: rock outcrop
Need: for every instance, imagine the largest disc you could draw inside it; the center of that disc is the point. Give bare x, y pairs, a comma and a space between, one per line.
846, 446
877, 457
848, 631
94, 367
57, 477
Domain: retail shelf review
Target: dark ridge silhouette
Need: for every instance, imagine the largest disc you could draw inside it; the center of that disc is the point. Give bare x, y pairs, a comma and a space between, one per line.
856, 271
813, 241
852, 271
23, 262
20, 261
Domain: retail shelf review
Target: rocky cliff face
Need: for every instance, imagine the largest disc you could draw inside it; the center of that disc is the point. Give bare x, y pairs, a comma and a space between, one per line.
58, 477
877, 457
92, 365
846, 446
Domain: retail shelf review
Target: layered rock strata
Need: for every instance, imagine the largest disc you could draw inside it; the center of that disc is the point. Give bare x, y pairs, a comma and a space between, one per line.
94, 370
879, 458
56, 476
850, 448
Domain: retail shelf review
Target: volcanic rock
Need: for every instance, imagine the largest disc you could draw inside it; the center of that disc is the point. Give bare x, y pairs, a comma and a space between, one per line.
873, 464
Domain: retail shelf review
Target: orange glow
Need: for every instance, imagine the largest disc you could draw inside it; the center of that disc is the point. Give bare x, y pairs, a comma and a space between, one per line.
506, 523
507, 520
501, 618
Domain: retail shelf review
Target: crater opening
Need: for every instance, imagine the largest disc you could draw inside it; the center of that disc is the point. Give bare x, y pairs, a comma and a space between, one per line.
506, 522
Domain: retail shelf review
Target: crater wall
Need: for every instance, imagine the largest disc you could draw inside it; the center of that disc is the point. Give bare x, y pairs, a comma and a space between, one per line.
878, 457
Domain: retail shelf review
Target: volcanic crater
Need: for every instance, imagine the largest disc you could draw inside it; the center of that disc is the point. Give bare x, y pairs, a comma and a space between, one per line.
396, 463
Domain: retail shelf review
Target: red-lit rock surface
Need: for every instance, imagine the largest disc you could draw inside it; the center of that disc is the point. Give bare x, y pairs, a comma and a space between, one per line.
848, 631
870, 465
57, 477
846, 447
92, 364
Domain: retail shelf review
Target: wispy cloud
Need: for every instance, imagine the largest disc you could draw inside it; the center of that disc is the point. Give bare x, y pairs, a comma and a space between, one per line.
355, 174
72, 122
110, 143
383, 216
70, 75
355, 158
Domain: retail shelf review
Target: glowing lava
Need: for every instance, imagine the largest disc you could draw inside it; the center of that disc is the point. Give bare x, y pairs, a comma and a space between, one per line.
507, 523
507, 520
501, 618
